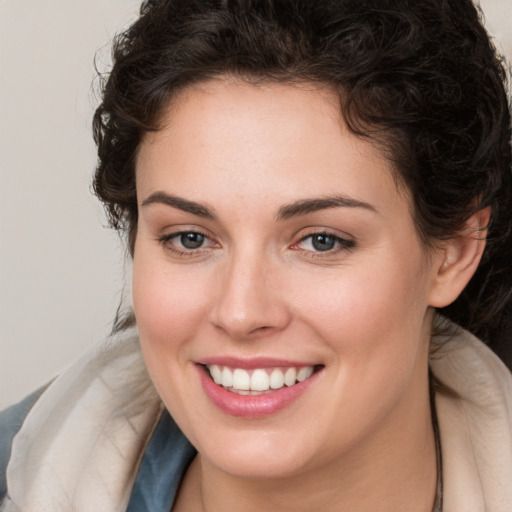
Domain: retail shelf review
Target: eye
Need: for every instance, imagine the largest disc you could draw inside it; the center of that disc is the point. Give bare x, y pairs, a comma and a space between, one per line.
324, 242
191, 240
320, 242
185, 243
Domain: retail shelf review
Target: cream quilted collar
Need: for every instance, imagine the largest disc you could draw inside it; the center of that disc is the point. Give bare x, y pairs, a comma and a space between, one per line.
81, 444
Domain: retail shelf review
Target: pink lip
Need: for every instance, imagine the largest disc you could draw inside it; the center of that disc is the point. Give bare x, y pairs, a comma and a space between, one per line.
252, 406
253, 363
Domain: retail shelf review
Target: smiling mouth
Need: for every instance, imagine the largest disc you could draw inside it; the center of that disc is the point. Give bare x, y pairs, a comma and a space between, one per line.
259, 381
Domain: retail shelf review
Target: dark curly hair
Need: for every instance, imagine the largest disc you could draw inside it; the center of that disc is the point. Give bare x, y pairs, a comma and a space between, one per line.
420, 78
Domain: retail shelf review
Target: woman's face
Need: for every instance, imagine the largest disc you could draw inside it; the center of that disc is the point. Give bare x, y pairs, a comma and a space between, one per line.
274, 245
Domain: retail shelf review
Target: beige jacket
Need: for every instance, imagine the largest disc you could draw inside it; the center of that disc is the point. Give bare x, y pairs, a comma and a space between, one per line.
475, 427
90, 428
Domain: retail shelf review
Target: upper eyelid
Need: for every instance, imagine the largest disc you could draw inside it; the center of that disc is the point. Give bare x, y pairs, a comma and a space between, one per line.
324, 233
180, 231
317, 230
184, 231
176, 234
342, 240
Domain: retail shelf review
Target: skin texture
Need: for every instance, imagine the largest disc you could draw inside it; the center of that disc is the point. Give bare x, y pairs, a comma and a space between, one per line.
360, 437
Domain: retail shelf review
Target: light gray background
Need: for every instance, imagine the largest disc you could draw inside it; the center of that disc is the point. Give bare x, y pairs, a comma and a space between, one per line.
60, 269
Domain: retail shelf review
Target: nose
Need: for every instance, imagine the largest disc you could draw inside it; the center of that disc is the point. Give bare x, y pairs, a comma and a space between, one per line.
249, 303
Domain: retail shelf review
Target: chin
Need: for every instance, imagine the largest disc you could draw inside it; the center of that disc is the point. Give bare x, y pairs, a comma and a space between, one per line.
255, 453
252, 461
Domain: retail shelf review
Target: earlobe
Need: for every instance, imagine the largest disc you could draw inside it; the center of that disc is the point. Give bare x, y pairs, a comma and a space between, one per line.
457, 259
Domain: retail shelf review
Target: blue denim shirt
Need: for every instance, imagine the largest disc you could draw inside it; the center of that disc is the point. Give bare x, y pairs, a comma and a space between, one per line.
163, 465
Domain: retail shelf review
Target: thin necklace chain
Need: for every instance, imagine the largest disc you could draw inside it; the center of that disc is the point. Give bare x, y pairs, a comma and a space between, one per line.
438, 502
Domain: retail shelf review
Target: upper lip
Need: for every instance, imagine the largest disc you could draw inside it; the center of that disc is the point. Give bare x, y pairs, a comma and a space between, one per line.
253, 363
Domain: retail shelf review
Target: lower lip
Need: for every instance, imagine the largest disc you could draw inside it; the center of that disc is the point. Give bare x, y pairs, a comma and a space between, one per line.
252, 406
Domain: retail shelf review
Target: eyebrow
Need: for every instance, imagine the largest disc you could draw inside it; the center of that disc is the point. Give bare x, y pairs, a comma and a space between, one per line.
295, 209
180, 203
305, 206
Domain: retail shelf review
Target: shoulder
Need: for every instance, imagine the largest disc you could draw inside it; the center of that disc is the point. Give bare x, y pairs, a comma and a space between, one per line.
11, 420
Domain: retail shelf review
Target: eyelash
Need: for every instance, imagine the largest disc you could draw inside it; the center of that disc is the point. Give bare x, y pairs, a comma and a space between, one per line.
341, 244
166, 242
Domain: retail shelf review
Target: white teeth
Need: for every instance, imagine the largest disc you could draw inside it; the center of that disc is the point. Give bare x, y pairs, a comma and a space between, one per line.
227, 377
216, 373
241, 380
304, 373
258, 380
276, 379
290, 376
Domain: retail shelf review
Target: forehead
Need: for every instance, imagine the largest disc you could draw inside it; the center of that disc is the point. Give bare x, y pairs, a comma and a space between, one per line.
276, 141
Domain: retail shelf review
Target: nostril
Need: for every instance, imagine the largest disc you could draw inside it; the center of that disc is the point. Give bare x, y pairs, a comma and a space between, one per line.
263, 328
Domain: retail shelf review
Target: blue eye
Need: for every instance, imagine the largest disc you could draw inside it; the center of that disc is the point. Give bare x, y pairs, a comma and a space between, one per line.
185, 241
324, 242
191, 240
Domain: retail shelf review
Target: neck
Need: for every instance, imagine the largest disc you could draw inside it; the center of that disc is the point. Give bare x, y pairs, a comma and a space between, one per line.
395, 470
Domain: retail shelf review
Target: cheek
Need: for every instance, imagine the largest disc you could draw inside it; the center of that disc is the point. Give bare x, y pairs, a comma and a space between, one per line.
169, 311
374, 324
377, 308
169, 306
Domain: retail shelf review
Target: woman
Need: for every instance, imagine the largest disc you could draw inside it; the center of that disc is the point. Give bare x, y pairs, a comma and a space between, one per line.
313, 193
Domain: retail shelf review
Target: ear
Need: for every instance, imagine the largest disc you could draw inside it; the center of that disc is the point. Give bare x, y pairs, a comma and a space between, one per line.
457, 259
